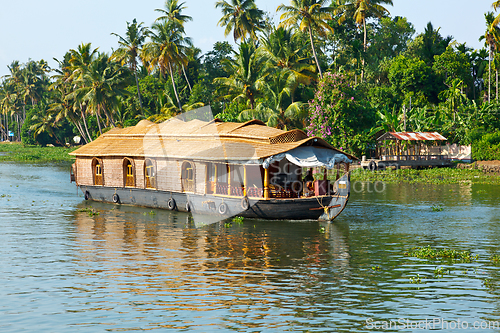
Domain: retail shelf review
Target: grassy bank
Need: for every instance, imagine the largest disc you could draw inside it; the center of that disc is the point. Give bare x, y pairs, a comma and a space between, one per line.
431, 176
17, 152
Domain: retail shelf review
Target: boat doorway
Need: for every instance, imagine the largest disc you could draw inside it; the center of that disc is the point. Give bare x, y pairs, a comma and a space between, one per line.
187, 176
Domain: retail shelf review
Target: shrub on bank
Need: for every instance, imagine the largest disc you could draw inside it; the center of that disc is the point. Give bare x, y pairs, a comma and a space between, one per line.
487, 148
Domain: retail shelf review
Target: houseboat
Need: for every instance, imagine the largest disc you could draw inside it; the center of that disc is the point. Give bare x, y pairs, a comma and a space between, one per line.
217, 168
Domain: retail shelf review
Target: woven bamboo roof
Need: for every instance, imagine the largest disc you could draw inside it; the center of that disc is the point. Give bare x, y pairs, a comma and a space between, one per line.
199, 140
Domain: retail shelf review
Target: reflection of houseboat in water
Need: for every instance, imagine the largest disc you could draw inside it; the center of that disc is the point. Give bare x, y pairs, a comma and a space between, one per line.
217, 168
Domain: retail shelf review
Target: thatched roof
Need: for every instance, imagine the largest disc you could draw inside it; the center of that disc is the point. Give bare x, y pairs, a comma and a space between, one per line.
199, 140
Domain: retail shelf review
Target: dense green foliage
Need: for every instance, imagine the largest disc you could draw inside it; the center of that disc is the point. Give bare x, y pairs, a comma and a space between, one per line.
344, 70
16, 152
430, 176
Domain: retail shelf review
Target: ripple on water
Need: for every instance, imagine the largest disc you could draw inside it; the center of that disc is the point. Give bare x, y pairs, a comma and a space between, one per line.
127, 269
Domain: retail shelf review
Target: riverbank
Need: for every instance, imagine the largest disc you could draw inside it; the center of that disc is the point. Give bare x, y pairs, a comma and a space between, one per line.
17, 152
475, 173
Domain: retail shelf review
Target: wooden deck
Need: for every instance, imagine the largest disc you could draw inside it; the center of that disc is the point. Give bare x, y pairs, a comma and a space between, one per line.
413, 161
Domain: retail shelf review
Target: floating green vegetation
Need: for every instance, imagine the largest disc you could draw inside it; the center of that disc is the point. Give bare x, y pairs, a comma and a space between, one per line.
151, 213
17, 152
441, 271
90, 211
437, 208
495, 258
430, 176
427, 252
417, 279
376, 268
238, 219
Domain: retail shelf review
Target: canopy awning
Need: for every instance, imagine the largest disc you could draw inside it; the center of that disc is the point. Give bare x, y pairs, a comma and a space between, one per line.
412, 136
309, 157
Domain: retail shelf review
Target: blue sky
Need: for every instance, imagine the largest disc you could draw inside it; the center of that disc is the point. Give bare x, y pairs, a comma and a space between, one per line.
46, 29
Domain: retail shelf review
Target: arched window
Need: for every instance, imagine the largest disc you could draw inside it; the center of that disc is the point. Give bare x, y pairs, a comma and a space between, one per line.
150, 173
187, 176
97, 173
128, 172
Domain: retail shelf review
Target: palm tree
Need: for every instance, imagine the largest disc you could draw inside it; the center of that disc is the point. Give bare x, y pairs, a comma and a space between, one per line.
168, 109
242, 17
490, 37
166, 49
248, 75
360, 10
278, 110
495, 6
75, 64
454, 96
174, 16
285, 51
310, 15
130, 48
100, 86
172, 13
44, 121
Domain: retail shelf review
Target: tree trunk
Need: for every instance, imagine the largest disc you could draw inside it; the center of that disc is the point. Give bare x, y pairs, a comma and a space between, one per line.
85, 124
98, 121
7, 125
175, 88
138, 91
80, 129
364, 52
314, 53
110, 118
489, 76
185, 76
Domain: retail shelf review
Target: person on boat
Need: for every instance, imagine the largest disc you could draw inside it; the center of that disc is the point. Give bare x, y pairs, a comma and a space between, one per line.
309, 189
309, 177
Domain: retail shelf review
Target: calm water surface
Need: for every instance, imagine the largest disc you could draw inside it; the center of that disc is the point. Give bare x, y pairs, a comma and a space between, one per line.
126, 269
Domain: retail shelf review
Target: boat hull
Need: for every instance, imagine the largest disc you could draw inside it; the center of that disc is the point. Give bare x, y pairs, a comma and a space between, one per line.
312, 208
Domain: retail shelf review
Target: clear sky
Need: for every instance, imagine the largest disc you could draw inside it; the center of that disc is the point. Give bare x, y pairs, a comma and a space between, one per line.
34, 29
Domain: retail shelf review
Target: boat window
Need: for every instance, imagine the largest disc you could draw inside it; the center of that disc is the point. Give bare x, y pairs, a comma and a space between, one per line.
128, 171
97, 172
187, 176
150, 173
222, 173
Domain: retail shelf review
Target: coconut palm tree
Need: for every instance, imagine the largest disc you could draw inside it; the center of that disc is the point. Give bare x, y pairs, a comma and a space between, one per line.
168, 109
310, 16
172, 13
44, 121
100, 85
242, 17
248, 75
495, 6
454, 96
166, 50
130, 48
277, 109
360, 10
491, 36
285, 51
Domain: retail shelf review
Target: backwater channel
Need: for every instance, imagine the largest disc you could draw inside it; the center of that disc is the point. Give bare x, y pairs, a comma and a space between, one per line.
63, 269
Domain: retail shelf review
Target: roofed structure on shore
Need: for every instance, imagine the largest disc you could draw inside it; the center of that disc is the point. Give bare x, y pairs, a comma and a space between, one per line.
412, 136
248, 142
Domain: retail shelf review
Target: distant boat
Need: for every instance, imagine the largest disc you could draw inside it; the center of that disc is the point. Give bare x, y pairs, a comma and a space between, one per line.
216, 168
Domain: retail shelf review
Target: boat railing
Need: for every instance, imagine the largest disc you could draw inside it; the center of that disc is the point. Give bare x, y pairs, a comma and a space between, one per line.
413, 157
